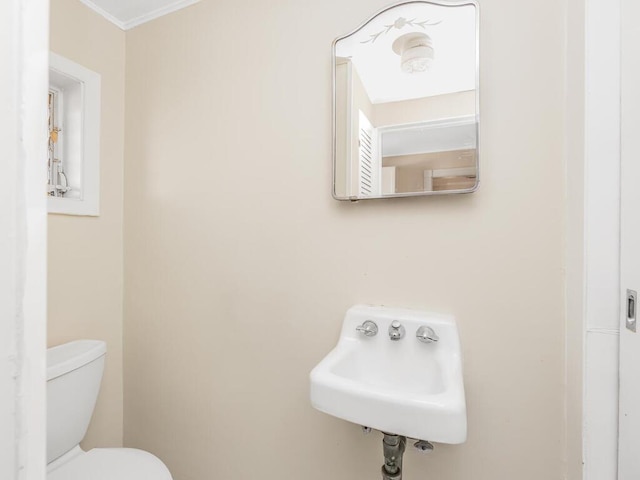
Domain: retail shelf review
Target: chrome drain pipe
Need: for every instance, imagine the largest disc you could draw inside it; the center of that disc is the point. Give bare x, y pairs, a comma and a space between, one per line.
393, 449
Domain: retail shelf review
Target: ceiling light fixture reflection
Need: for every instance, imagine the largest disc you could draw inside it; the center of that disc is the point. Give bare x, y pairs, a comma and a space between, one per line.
415, 50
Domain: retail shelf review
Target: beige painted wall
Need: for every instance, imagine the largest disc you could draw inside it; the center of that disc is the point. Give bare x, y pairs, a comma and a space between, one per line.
85, 253
410, 169
240, 265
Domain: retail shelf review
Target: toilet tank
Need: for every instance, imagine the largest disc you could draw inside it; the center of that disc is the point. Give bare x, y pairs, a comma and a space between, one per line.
74, 372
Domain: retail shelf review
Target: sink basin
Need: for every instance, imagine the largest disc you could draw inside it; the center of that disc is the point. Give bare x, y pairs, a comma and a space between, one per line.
405, 387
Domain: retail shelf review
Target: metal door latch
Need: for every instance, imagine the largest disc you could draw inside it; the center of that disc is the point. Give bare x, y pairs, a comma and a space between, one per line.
631, 306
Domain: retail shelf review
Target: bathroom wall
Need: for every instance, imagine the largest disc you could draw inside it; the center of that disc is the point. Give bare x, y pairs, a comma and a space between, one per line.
85, 253
239, 265
410, 170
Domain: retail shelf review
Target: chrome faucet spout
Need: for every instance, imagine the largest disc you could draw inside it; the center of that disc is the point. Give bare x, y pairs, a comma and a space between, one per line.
396, 330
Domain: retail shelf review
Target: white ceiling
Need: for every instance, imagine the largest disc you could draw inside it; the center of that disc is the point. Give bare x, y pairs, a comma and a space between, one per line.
454, 43
127, 14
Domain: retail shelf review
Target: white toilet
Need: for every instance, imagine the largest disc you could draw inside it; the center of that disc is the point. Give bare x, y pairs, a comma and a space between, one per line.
74, 372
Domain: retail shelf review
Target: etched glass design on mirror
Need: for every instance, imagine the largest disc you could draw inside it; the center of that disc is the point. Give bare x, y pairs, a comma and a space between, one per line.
405, 103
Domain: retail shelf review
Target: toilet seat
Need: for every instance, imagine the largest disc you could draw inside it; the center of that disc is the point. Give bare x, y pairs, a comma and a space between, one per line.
111, 464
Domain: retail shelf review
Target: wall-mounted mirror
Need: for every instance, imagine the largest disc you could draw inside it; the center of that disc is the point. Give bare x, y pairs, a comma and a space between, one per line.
405, 103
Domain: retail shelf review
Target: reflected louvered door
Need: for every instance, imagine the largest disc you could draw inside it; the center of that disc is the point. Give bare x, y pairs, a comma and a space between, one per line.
369, 160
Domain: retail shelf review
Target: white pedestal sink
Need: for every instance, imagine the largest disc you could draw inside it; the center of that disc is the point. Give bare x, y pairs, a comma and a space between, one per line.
404, 386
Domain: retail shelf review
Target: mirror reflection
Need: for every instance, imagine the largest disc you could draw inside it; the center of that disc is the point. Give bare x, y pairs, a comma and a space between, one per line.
406, 103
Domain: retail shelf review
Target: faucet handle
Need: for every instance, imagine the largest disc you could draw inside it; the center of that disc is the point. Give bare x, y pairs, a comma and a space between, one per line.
426, 334
369, 328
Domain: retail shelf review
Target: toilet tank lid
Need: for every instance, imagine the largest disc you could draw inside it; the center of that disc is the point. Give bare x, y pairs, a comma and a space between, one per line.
73, 355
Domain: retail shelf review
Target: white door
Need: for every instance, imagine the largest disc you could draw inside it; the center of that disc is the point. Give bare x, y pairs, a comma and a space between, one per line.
629, 428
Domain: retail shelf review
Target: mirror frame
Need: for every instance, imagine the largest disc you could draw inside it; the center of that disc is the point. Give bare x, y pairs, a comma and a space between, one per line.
441, 3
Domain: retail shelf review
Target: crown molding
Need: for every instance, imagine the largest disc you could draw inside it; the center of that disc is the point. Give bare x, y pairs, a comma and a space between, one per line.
147, 17
167, 9
104, 13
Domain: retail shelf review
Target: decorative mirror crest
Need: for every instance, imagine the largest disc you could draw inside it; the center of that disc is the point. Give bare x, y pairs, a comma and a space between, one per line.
406, 103
399, 24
